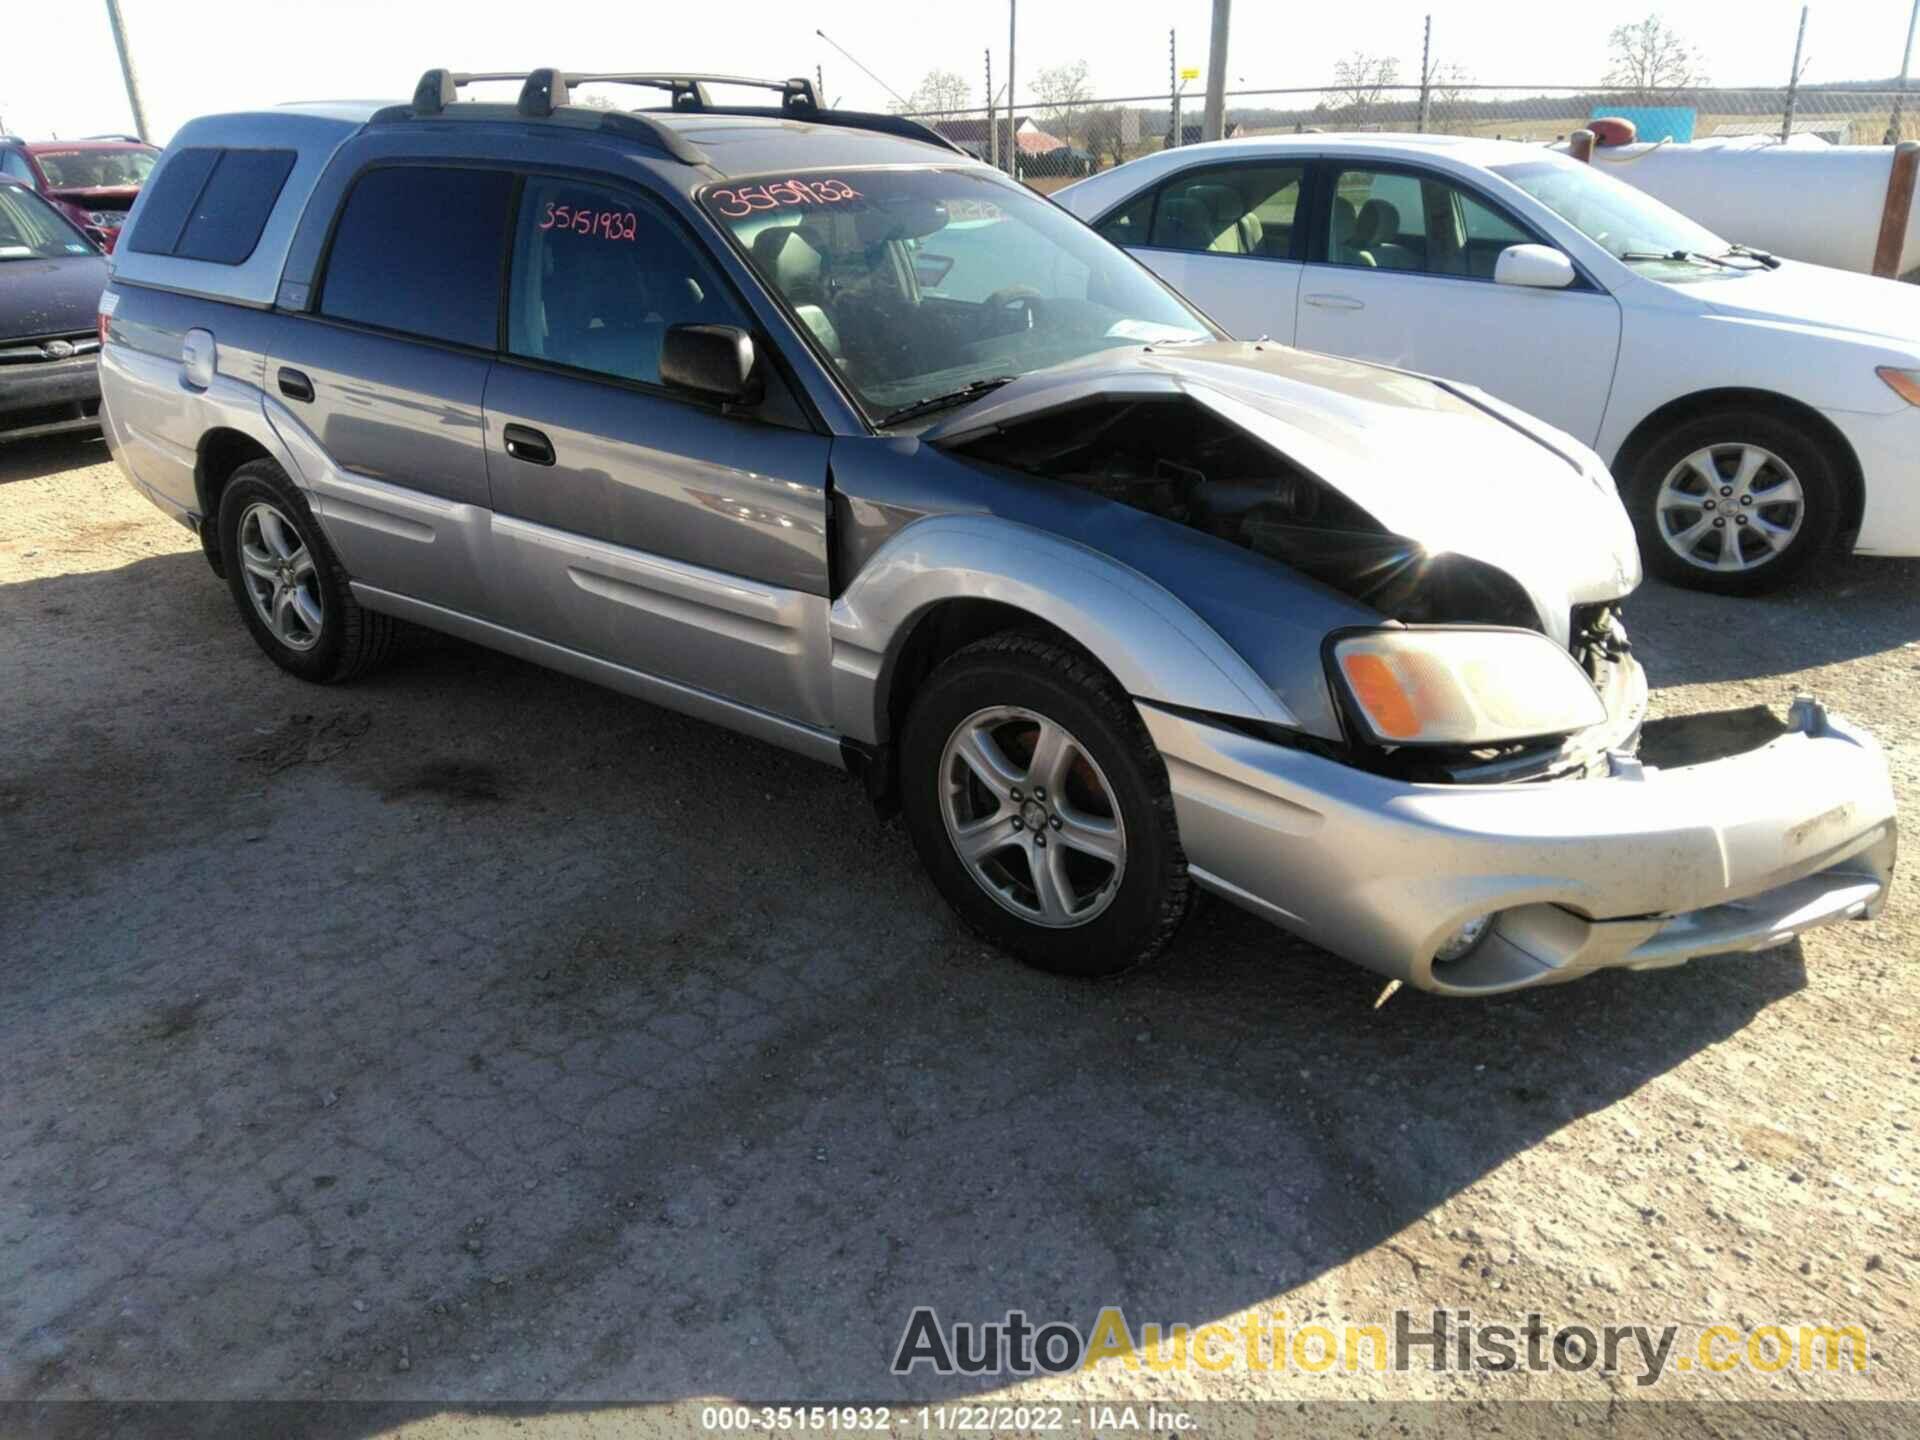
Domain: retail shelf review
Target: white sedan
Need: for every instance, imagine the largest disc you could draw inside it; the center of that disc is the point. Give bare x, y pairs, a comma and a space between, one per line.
1755, 412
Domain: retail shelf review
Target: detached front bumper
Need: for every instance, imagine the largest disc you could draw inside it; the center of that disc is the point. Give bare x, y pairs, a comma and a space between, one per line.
1643, 868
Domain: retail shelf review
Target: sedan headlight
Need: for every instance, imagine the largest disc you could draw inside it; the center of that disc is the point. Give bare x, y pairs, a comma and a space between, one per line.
1438, 686
1904, 383
103, 218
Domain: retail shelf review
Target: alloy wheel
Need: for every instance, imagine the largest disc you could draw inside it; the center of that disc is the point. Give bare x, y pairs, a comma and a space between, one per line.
1032, 816
1730, 508
280, 576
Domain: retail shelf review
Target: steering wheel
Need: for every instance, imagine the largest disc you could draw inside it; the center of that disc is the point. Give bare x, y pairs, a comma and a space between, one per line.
1025, 296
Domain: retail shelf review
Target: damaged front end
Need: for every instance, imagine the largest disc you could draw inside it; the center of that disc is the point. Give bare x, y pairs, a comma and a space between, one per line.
1365, 497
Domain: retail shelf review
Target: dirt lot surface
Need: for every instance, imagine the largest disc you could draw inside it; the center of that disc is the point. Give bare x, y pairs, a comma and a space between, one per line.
471, 1033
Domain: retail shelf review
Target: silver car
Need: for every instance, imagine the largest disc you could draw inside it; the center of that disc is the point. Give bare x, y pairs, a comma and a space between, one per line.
803, 422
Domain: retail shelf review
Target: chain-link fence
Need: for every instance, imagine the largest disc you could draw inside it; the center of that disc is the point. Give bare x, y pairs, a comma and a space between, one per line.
1050, 145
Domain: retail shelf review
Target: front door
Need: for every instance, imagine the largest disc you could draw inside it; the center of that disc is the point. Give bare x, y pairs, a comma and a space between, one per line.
636, 524
1401, 272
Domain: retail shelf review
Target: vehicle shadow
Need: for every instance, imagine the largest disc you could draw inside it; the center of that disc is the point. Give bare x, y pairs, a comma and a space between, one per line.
588, 1052
51, 454
1850, 608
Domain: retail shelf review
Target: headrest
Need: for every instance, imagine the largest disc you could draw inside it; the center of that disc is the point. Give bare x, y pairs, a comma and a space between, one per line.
786, 258
1378, 222
1221, 202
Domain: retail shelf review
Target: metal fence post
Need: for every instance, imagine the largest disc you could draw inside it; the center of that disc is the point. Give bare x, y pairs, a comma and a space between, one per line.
1426, 74
1893, 216
1173, 93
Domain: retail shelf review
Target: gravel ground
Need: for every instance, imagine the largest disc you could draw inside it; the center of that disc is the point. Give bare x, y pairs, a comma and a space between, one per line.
472, 1033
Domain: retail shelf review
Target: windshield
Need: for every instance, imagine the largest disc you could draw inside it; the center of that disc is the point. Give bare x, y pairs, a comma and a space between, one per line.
1625, 221
31, 229
915, 284
95, 169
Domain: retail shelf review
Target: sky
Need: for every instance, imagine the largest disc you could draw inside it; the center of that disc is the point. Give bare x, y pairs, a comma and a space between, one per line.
59, 75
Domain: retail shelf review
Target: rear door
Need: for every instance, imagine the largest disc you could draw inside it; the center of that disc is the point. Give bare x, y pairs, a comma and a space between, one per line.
1228, 237
379, 391
680, 538
1401, 271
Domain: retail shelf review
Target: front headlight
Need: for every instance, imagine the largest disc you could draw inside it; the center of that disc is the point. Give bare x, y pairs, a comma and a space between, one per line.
103, 218
1436, 686
1904, 383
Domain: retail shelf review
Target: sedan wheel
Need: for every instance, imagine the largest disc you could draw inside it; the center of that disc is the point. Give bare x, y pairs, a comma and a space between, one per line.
1730, 508
1032, 817
281, 578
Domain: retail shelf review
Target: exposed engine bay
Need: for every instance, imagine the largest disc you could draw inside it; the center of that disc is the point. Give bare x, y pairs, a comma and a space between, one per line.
1180, 461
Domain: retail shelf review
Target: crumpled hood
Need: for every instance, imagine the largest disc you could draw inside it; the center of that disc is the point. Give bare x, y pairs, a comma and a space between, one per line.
105, 197
1820, 298
1438, 463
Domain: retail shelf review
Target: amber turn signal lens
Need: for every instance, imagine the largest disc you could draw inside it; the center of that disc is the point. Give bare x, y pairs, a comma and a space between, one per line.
1378, 690
1904, 383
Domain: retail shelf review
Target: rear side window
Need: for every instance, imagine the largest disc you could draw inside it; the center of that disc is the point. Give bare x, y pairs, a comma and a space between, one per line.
420, 249
211, 204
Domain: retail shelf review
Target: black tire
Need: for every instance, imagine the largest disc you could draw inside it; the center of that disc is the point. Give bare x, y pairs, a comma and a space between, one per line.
1037, 674
1725, 432
350, 640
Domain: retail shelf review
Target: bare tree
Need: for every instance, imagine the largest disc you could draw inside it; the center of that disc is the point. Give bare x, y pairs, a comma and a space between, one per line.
1447, 94
1649, 55
1062, 92
940, 92
1106, 133
1364, 79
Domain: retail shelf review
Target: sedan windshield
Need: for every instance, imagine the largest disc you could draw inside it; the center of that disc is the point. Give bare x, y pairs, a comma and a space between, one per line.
1629, 223
927, 287
31, 229
95, 169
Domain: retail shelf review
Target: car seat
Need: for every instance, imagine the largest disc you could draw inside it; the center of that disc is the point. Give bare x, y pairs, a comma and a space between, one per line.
1376, 231
1341, 248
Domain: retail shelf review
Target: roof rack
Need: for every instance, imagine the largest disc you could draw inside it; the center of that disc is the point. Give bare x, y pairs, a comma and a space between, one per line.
544, 91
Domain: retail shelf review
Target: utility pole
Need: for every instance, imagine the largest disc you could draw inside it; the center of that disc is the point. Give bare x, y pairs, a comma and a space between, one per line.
1906, 58
819, 84
1013, 140
1213, 121
133, 82
1426, 74
1793, 80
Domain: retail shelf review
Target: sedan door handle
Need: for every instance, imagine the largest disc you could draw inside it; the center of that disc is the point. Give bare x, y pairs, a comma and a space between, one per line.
1335, 302
294, 385
523, 442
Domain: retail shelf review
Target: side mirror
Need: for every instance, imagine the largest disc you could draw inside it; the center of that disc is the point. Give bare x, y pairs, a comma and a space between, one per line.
711, 360
1540, 267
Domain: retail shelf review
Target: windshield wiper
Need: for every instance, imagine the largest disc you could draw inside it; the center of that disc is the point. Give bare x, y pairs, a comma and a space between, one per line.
1747, 252
1698, 257
932, 403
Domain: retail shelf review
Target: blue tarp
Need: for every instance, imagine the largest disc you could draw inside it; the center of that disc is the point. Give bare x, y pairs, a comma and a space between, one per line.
1653, 122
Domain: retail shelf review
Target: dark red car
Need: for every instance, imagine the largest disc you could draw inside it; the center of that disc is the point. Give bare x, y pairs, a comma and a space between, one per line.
91, 182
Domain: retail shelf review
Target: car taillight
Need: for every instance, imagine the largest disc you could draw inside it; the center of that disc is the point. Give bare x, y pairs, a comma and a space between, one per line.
103, 315
101, 321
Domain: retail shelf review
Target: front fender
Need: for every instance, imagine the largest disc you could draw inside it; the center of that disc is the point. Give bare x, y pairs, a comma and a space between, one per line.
1152, 643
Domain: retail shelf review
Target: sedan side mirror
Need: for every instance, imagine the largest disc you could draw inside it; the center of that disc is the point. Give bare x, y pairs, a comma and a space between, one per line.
1540, 267
712, 360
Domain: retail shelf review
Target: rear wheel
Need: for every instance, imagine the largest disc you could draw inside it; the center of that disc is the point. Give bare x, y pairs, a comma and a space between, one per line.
289, 585
1739, 503
1041, 809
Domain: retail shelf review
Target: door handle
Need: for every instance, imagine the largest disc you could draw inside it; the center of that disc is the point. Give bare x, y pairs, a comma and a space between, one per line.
294, 385
1335, 302
523, 442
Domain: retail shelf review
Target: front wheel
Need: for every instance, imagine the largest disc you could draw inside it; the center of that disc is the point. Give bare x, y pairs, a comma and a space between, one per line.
1738, 503
1041, 809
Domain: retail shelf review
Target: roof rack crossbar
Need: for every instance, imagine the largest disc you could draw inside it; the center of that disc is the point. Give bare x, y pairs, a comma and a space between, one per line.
544, 91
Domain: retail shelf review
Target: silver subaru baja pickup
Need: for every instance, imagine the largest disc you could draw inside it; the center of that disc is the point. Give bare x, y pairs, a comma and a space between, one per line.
803, 422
